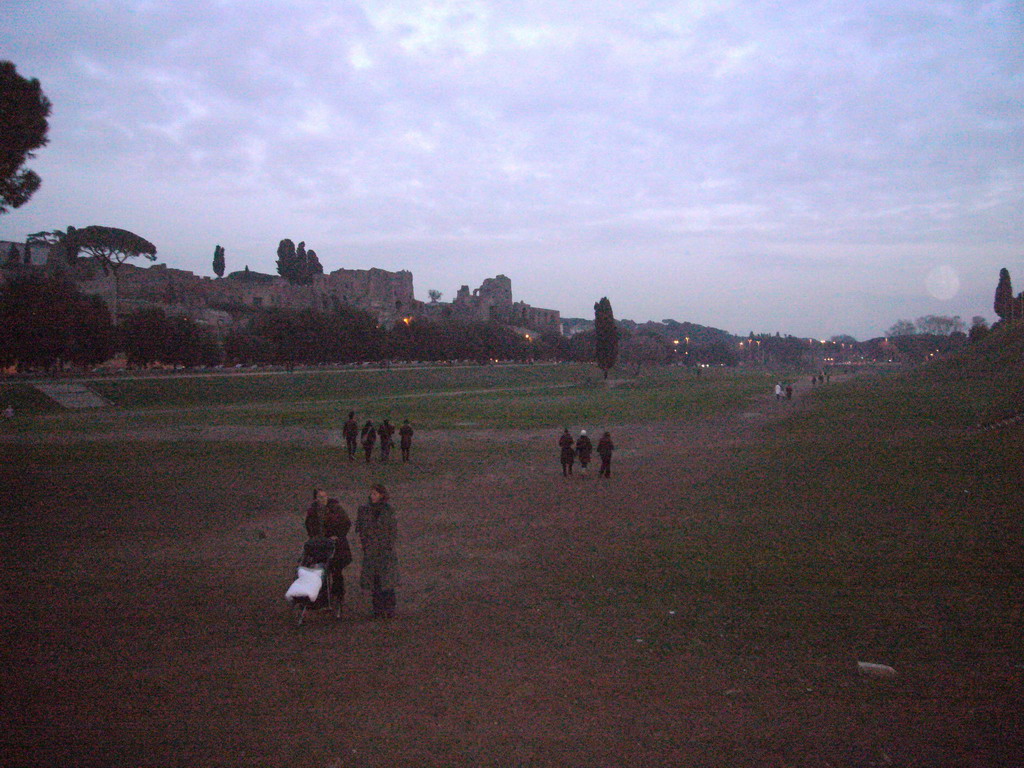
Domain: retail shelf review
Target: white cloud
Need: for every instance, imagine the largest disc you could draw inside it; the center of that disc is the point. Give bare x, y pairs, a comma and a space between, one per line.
316, 120
423, 28
359, 57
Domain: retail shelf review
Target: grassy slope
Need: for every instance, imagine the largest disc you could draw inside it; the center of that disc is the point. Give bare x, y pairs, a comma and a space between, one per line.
498, 397
877, 524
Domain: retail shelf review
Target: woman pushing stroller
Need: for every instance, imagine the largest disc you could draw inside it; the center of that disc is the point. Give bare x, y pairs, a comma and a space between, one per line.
326, 518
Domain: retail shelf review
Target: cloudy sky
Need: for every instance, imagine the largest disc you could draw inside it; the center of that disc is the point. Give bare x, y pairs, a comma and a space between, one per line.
809, 167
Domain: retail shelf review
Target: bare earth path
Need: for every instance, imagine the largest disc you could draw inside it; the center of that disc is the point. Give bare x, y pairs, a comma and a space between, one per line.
141, 643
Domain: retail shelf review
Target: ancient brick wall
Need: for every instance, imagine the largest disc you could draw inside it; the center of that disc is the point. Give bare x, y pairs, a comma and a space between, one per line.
387, 296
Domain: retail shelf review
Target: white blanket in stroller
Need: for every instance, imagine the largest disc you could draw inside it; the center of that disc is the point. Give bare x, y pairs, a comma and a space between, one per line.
307, 584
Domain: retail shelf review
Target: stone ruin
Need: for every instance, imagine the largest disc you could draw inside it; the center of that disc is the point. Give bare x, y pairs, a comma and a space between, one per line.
225, 302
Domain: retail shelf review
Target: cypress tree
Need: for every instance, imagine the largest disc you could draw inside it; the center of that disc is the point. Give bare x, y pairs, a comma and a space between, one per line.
1003, 304
301, 265
606, 336
315, 267
218, 261
286, 260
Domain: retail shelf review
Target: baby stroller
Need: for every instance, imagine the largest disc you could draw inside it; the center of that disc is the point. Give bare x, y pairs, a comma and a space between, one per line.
311, 589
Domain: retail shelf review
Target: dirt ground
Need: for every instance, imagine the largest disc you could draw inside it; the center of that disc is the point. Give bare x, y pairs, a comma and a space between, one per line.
135, 645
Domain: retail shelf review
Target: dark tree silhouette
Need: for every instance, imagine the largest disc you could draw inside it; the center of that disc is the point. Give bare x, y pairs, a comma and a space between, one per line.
1003, 304
607, 336
46, 321
64, 245
286, 262
301, 264
297, 265
313, 264
112, 247
23, 127
144, 336
218, 261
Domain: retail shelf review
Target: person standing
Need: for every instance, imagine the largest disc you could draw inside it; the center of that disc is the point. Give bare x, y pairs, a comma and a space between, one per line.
350, 431
369, 437
378, 533
605, 446
384, 432
583, 449
405, 439
326, 517
568, 452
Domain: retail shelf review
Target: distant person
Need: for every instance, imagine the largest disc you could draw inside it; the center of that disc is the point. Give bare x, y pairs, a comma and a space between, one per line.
567, 447
583, 449
778, 391
326, 517
369, 438
378, 533
405, 439
605, 446
384, 432
789, 391
350, 431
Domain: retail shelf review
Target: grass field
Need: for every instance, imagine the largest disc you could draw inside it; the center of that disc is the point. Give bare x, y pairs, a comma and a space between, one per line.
708, 608
501, 397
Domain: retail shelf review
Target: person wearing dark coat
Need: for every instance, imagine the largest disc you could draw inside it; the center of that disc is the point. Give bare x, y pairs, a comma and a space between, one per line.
405, 439
384, 432
378, 533
326, 517
369, 437
584, 448
568, 452
604, 450
350, 431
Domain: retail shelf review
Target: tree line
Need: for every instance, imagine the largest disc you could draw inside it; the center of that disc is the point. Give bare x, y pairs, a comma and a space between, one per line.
47, 323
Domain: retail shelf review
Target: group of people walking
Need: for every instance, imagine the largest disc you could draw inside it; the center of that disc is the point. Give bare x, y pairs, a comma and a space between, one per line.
376, 527
370, 435
377, 531
582, 448
783, 391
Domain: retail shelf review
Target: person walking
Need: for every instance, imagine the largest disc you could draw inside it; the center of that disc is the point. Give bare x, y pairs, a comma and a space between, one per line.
583, 449
605, 446
326, 517
568, 452
405, 439
368, 437
384, 432
350, 431
378, 533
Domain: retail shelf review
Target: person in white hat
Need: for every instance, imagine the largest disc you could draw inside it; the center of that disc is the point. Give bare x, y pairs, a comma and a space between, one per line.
583, 449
